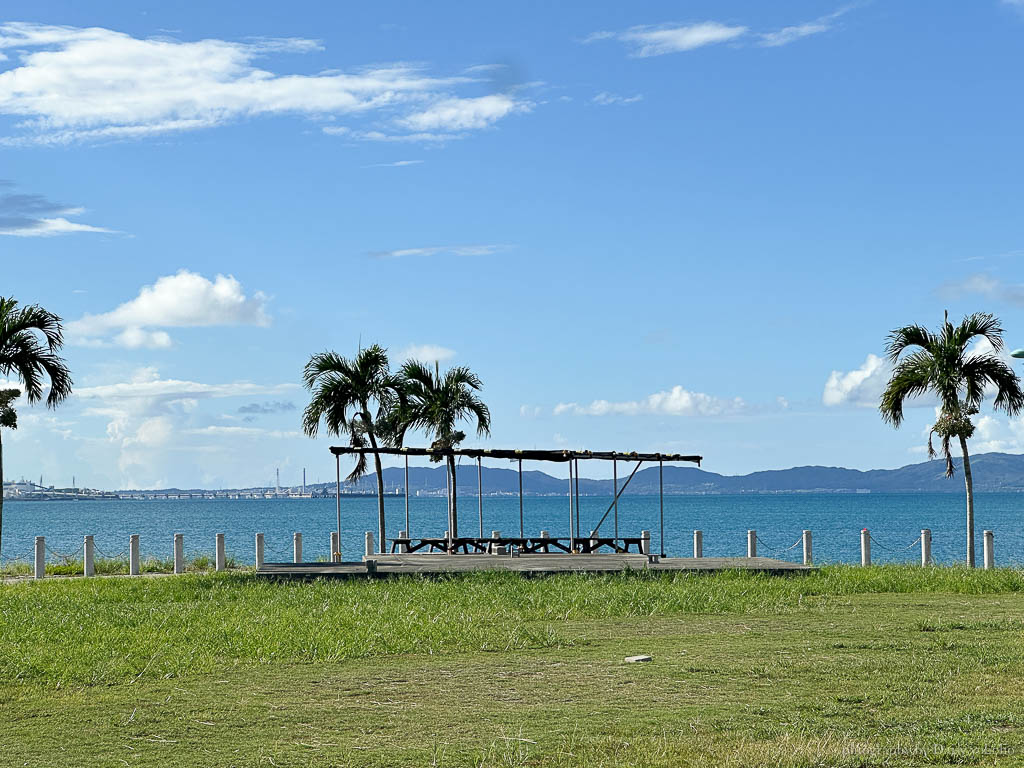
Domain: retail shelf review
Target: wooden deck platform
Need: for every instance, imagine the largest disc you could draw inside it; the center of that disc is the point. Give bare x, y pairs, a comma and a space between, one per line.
536, 564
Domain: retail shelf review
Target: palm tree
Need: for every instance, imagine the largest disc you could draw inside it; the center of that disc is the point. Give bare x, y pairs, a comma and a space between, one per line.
436, 404
345, 394
32, 360
942, 365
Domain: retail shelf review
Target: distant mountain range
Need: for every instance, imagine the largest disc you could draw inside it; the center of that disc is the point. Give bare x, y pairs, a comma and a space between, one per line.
992, 472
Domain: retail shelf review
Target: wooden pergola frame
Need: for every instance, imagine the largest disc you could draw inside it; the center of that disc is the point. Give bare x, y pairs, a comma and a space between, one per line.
519, 455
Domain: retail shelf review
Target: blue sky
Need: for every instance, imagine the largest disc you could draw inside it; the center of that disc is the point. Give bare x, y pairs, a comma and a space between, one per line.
647, 226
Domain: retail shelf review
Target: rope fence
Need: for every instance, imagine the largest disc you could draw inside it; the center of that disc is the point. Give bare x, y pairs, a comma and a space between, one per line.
913, 544
781, 550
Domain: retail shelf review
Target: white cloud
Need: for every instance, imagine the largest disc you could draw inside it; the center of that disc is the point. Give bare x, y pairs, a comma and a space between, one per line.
427, 353
74, 84
186, 299
396, 164
661, 39
674, 402
464, 114
26, 215
645, 41
988, 286
787, 35
219, 431
441, 250
530, 411
861, 387
606, 99
149, 417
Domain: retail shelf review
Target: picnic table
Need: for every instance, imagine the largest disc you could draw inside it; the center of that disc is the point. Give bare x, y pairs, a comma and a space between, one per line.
524, 545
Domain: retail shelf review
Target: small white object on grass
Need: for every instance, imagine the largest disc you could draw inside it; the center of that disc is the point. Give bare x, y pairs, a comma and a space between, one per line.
637, 659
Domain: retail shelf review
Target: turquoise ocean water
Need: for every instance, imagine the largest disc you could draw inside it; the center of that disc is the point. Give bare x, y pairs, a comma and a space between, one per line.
895, 521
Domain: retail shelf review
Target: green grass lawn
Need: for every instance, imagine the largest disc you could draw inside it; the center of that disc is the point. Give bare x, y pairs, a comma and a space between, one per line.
842, 667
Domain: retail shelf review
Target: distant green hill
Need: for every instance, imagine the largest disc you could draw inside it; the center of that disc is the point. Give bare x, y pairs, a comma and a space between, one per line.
992, 472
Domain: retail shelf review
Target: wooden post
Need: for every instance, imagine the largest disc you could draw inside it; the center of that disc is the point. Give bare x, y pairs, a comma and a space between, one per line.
521, 498
335, 548
337, 497
987, 553
808, 554
751, 543
615, 489
698, 543
178, 552
407, 528
39, 571
259, 550
865, 547
576, 465
134, 562
572, 536
645, 542
661, 503
369, 543
403, 548
297, 547
220, 561
480, 493
926, 547
89, 556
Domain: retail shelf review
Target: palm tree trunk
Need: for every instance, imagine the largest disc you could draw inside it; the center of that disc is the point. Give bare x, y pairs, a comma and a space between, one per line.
969, 481
380, 491
454, 523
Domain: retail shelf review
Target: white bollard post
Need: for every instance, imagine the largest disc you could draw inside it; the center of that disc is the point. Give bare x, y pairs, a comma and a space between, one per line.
335, 548
865, 547
545, 535
593, 541
260, 545
403, 548
497, 549
698, 543
40, 560
134, 562
219, 560
645, 542
808, 554
297, 547
369, 543
926, 547
989, 556
179, 553
751, 543
89, 557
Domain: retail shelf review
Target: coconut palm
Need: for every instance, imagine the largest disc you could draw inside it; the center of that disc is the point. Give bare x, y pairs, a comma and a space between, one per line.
354, 398
942, 365
30, 338
436, 404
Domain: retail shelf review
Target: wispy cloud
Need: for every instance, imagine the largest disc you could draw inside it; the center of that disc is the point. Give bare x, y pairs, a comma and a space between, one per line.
607, 99
986, 285
673, 402
70, 84
787, 35
660, 39
657, 40
185, 299
396, 164
27, 215
440, 250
